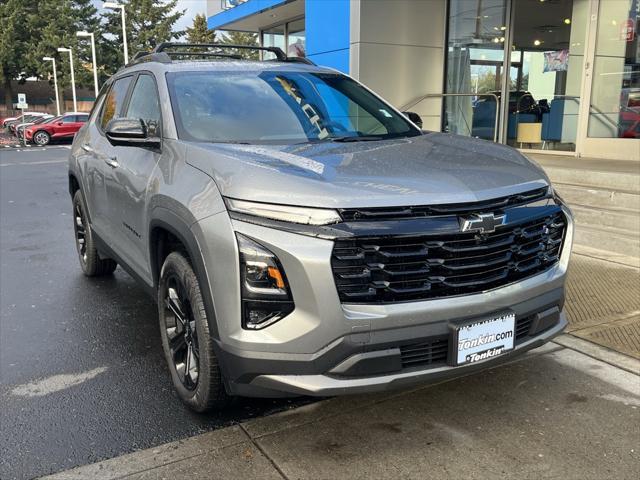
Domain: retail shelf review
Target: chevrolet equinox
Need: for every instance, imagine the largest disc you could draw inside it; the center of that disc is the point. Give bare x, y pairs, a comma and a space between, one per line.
304, 237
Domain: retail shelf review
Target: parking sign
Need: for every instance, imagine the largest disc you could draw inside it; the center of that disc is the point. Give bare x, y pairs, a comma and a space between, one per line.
22, 101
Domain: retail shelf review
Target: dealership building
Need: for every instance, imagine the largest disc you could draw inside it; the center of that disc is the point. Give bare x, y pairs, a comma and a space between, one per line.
558, 76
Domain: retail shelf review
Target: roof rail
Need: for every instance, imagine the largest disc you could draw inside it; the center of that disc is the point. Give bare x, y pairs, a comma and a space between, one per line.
163, 53
280, 55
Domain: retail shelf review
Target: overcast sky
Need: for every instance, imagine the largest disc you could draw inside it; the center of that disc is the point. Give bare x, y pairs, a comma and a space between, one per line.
193, 7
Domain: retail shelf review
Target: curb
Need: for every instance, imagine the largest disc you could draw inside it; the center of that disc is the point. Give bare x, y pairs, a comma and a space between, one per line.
599, 352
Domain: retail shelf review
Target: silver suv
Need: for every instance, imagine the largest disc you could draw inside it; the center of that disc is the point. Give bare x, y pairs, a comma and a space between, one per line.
303, 237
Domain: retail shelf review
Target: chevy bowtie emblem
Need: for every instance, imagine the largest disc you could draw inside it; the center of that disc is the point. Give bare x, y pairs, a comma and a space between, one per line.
481, 222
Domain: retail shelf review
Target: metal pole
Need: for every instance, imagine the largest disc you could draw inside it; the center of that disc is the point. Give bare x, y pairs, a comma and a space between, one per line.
55, 86
73, 82
95, 65
124, 36
22, 142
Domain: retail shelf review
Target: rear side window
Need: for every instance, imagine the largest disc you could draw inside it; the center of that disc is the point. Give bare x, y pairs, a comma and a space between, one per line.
69, 119
112, 107
144, 103
81, 118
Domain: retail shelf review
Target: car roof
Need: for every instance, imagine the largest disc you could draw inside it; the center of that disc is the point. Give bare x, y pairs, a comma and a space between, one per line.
222, 66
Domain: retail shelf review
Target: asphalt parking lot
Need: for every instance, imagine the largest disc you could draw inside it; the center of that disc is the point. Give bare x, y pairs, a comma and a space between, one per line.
82, 374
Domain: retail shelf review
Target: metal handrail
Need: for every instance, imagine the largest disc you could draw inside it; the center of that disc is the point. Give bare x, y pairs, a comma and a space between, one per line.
413, 103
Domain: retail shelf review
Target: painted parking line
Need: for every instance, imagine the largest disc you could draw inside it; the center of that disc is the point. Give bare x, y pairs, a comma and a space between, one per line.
24, 164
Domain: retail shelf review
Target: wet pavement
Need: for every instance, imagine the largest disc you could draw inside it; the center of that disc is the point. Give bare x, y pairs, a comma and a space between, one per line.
82, 373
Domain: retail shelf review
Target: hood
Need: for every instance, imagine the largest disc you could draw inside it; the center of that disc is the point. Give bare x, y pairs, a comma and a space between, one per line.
429, 169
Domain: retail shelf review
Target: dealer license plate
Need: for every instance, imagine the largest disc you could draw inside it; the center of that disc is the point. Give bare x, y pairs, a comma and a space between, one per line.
484, 339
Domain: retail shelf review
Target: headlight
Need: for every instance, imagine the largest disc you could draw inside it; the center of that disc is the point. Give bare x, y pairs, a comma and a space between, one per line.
266, 297
284, 213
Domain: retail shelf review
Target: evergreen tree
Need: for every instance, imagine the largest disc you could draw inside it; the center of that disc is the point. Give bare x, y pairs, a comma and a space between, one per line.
57, 23
199, 32
31, 30
17, 35
149, 23
242, 38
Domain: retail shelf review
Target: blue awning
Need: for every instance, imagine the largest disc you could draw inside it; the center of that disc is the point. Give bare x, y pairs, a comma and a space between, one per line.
226, 18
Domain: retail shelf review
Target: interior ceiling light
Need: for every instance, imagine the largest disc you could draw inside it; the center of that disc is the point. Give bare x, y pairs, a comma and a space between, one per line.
503, 28
537, 42
567, 21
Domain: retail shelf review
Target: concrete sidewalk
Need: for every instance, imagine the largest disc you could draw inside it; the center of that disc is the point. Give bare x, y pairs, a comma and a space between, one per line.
554, 413
603, 302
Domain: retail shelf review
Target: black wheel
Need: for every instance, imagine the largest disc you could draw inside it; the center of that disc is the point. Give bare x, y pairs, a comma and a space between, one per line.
186, 339
90, 261
41, 138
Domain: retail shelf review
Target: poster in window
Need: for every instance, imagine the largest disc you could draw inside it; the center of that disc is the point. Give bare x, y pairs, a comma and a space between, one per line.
556, 61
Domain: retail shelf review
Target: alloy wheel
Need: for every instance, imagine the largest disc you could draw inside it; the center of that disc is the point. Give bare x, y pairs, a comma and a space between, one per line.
181, 332
40, 138
80, 229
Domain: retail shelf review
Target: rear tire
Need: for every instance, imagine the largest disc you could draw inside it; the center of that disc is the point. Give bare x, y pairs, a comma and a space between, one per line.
90, 261
41, 138
186, 337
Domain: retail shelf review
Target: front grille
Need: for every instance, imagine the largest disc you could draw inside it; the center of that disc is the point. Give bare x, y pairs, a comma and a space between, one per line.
391, 269
393, 213
435, 350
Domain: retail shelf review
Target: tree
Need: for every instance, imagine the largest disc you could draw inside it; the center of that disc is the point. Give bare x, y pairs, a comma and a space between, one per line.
242, 38
57, 24
16, 39
32, 30
199, 32
148, 22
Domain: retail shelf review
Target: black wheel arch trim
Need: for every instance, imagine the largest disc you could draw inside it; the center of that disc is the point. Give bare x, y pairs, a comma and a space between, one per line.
167, 220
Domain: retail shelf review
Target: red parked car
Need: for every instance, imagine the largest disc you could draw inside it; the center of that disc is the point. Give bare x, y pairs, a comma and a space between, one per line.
65, 127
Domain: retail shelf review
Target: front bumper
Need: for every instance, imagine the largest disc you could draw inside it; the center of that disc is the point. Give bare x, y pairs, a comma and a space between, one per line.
326, 385
325, 347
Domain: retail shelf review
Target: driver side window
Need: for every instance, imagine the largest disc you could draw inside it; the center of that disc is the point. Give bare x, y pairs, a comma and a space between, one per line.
145, 105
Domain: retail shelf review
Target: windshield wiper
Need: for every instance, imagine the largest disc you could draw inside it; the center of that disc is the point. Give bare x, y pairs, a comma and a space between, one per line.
362, 138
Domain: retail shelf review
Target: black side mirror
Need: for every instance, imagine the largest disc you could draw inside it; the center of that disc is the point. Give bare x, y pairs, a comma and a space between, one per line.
130, 132
414, 117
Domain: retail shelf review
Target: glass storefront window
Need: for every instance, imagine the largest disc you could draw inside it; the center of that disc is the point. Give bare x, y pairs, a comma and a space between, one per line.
296, 39
290, 37
615, 91
477, 32
274, 37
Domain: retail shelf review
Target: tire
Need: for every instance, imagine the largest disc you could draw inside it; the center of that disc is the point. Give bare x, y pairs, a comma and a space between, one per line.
41, 138
90, 261
186, 338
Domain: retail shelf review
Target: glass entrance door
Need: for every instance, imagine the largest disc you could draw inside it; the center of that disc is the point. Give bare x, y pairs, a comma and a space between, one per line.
475, 67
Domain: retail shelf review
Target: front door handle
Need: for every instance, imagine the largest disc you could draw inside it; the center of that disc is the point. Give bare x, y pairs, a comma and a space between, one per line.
112, 162
88, 148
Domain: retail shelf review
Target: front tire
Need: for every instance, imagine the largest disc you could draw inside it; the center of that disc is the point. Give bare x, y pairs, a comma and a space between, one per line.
186, 337
41, 138
90, 261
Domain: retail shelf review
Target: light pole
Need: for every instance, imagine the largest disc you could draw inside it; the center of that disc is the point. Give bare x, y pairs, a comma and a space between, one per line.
93, 58
55, 81
73, 78
115, 6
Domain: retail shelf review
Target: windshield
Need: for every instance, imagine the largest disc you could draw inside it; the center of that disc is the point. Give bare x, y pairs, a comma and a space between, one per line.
279, 107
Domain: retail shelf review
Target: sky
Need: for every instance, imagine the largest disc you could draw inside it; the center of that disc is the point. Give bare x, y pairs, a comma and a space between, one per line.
193, 7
